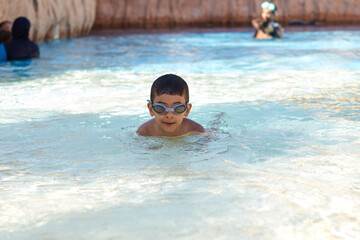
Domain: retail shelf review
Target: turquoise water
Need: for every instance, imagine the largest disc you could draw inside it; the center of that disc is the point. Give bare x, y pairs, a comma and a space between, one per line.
280, 159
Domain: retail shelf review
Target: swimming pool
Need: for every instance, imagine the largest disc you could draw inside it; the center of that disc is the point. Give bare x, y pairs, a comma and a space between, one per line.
280, 160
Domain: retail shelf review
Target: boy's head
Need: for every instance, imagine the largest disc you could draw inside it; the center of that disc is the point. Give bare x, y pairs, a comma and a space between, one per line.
268, 10
5, 36
170, 84
5, 31
169, 104
6, 26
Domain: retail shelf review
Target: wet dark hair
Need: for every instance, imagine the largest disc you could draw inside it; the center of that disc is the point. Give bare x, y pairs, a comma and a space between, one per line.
169, 84
4, 23
5, 36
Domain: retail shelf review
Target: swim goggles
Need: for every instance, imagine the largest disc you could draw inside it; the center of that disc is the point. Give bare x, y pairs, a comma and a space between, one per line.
162, 109
269, 6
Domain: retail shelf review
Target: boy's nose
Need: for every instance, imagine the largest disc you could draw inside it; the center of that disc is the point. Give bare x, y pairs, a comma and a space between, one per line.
169, 114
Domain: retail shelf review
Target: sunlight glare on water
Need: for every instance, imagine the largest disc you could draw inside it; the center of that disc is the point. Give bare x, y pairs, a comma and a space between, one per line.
280, 159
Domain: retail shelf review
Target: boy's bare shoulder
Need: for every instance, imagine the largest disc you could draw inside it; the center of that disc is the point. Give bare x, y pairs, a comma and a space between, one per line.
146, 129
192, 126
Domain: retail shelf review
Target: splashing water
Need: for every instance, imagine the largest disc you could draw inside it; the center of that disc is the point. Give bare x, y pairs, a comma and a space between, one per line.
280, 159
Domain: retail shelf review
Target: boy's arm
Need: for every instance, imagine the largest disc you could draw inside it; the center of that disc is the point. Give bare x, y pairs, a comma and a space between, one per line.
255, 23
193, 126
145, 129
3, 56
280, 32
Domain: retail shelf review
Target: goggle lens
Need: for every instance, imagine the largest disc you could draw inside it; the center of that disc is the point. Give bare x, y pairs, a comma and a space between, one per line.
180, 109
161, 109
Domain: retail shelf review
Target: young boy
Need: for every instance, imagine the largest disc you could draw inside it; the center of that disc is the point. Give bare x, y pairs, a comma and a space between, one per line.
266, 27
169, 105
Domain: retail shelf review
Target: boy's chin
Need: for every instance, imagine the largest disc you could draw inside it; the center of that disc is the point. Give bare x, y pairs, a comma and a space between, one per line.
170, 130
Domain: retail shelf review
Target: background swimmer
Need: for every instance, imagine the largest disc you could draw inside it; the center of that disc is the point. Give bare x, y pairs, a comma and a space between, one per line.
266, 27
5, 31
20, 47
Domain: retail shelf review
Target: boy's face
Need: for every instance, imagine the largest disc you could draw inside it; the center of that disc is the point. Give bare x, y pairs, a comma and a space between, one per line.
267, 15
169, 123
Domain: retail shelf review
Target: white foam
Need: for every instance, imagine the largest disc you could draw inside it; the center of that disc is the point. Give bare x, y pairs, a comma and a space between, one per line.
125, 93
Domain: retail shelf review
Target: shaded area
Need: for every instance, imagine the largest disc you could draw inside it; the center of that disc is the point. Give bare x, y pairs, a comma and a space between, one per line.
213, 13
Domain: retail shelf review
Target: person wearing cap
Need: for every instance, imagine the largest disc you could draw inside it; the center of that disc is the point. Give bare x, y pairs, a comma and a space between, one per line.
266, 27
20, 47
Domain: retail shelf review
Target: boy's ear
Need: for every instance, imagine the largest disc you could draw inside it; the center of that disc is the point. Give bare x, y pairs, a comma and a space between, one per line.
151, 111
188, 110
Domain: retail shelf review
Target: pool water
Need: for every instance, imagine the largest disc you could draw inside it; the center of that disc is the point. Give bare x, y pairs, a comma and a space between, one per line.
280, 159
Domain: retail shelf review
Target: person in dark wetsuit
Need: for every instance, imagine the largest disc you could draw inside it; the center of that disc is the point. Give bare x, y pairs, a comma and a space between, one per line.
266, 27
20, 47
